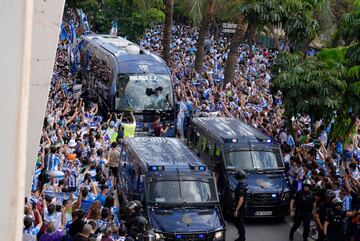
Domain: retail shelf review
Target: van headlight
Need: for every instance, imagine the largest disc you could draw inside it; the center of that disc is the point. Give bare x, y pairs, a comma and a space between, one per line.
218, 235
159, 236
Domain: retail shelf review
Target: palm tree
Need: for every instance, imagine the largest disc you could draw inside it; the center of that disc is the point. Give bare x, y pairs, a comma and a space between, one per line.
204, 21
169, 6
233, 55
256, 13
253, 11
301, 26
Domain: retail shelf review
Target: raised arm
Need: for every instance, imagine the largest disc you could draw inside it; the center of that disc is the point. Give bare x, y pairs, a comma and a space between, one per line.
40, 224
93, 187
63, 219
109, 119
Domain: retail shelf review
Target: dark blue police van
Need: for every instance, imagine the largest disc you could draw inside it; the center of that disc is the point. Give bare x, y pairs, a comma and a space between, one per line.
177, 190
123, 77
227, 145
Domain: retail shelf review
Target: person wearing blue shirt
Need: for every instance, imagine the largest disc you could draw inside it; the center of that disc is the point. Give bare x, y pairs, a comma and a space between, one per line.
86, 198
102, 196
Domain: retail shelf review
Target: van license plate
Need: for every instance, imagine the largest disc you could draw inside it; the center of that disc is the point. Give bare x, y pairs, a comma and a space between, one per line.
263, 213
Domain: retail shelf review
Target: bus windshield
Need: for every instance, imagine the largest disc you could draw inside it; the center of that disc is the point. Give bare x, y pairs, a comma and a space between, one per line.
184, 191
139, 92
253, 160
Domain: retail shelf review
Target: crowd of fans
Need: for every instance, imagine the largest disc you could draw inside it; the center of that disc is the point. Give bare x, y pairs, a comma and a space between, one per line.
74, 188
330, 167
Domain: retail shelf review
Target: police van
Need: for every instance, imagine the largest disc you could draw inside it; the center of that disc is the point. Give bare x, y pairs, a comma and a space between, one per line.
177, 191
226, 145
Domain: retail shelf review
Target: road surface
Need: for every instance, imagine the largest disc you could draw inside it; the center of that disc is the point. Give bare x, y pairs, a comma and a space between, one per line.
265, 230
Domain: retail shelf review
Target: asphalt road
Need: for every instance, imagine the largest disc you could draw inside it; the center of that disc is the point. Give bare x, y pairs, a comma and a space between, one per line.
265, 230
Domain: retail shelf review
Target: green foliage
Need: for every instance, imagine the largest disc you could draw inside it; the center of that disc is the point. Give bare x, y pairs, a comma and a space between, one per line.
329, 82
285, 61
332, 56
135, 25
197, 9
262, 12
344, 128
300, 25
310, 86
133, 16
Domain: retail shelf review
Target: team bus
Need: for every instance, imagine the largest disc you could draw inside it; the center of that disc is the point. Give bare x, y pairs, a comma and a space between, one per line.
123, 77
227, 145
178, 192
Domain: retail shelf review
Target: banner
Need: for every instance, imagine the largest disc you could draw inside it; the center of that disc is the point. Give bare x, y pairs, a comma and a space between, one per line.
60, 196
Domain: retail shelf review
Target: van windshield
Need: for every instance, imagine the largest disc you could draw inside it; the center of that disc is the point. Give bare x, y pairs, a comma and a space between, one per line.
140, 92
182, 191
253, 160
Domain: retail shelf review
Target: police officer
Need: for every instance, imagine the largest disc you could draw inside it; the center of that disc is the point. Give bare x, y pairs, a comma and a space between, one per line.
149, 235
240, 197
334, 227
334, 224
132, 210
324, 208
304, 203
139, 228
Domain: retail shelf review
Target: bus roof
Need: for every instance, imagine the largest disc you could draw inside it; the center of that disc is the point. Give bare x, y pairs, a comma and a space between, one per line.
118, 47
168, 153
229, 130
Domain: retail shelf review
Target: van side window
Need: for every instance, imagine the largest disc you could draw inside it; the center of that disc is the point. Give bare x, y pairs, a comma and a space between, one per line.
194, 138
217, 151
216, 156
204, 145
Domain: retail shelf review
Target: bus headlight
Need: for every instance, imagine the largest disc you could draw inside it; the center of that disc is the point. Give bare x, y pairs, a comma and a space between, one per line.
218, 235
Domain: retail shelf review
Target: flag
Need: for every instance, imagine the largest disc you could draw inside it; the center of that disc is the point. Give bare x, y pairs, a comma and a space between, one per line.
84, 21
77, 52
114, 29
72, 60
63, 34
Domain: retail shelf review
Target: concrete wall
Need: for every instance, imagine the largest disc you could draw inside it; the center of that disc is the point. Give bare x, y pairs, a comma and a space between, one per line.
29, 33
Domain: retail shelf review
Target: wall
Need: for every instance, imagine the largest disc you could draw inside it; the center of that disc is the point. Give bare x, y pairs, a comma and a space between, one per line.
29, 32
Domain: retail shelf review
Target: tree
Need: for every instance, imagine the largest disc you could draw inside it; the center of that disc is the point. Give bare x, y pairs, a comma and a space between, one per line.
233, 55
352, 61
269, 13
312, 86
253, 12
326, 84
167, 30
204, 21
340, 7
134, 17
300, 24
256, 13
